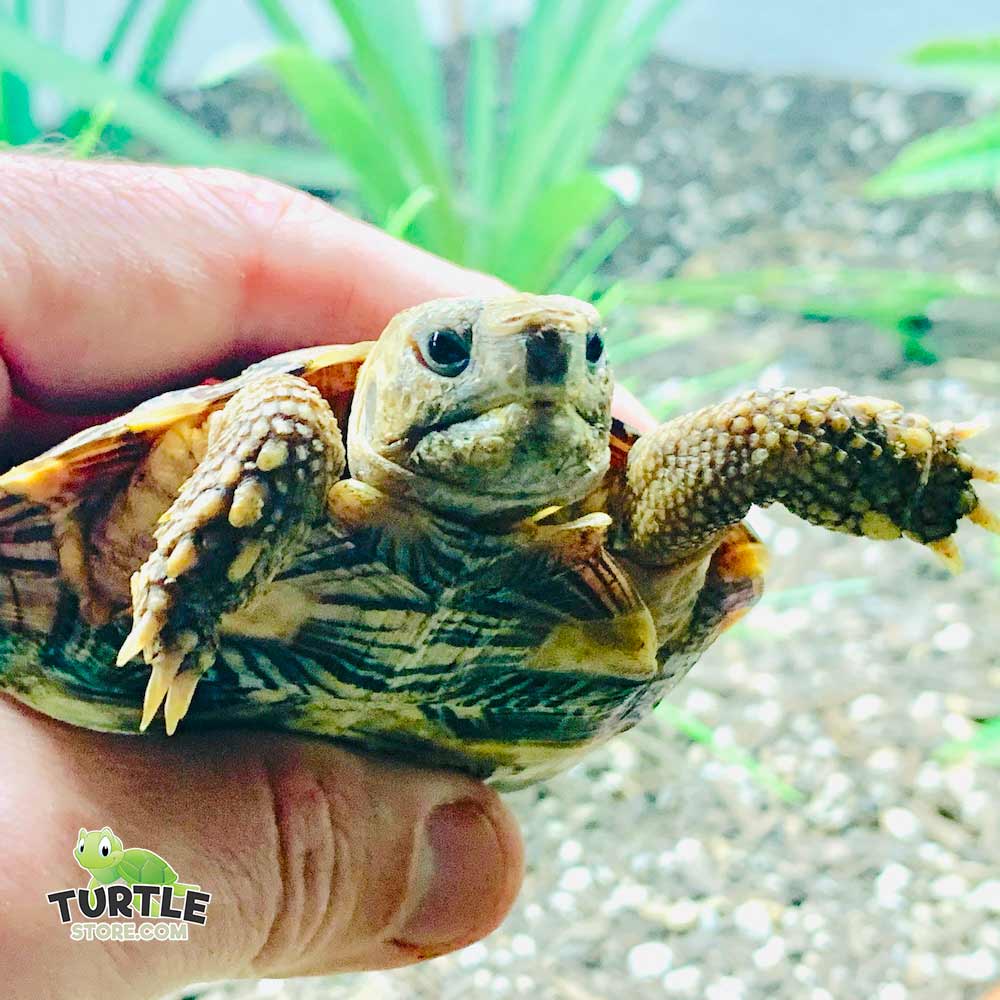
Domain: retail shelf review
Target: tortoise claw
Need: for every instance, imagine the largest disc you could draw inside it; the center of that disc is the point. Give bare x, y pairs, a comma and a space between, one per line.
161, 678
179, 699
144, 631
947, 550
985, 518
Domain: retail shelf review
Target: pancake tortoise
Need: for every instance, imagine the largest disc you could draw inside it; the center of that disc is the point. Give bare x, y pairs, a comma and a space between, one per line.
487, 571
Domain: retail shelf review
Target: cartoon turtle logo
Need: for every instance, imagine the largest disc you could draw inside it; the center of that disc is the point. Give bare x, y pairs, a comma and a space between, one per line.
102, 854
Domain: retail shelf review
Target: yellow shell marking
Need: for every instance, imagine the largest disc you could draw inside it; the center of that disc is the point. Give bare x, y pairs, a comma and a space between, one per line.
624, 646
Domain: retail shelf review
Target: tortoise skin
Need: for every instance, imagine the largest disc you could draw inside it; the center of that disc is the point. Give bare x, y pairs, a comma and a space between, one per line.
496, 578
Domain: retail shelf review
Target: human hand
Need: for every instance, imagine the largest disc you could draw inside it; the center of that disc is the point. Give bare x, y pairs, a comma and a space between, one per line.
117, 281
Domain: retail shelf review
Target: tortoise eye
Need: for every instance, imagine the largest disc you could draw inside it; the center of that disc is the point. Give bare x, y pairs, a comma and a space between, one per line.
447, 352
595, 347
79, 847
104, 847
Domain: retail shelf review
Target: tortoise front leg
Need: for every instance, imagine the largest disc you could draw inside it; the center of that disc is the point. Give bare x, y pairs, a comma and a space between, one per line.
273, 452
854, 464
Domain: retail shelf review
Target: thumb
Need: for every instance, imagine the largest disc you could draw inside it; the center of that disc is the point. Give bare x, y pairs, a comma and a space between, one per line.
318, 860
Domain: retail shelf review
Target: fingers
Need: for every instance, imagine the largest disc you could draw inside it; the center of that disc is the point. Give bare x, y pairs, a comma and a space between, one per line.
118, 278
628, 409
318, 860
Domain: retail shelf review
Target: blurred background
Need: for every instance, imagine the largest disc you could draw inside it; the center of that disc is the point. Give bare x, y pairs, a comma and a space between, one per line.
754, 195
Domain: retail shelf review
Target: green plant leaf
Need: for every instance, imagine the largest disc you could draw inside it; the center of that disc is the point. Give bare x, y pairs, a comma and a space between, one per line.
557, 137
89, 136
160, 41
146, 114
315, 170
583, 267
962, 158
402, 79
342, 120
17, 126
966, 172
400, 220
281, 22
697, 731
397, 62
884, 296
550, 226
984, 745
480, 144
123, 24
958, 53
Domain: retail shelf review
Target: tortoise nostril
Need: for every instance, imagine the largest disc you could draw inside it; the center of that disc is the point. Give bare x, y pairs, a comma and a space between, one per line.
547, 357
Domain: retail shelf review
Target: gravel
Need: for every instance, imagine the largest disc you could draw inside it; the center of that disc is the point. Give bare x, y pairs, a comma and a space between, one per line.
658, 868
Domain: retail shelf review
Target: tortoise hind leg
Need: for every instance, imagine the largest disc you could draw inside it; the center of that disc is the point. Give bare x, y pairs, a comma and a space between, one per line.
239, 519
853, 464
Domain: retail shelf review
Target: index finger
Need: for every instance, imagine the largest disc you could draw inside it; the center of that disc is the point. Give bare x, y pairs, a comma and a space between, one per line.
117, 279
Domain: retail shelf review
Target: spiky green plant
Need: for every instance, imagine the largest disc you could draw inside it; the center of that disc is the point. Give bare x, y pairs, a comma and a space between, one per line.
125, 103
962, 158
518, 196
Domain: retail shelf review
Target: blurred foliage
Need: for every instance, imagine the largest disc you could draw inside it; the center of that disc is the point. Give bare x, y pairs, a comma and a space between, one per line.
983, 745
964, 158
519, 194
124, 102
698, 732
892, 300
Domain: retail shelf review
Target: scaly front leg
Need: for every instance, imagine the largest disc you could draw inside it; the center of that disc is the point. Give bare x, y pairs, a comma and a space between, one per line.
273, 452
854, 464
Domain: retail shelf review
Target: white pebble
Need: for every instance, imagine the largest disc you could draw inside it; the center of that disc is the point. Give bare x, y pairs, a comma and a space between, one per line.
522, 945
686, 980
576, 879
953, 638
900, 823
753, 919
626, 897
927, 705
986, 896
771, 954
892, 991
726, 988
974, 967
563, 902
949, 887
885, 760
688, 850
866, 707
473, 955
958, 727
889, 883
649, 959
570, 852
682, 915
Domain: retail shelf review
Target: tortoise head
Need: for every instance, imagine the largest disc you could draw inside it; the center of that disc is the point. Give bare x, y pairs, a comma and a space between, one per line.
97, 849
485, 408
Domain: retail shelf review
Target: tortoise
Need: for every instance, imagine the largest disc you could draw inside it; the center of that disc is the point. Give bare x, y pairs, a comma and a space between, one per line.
439, 545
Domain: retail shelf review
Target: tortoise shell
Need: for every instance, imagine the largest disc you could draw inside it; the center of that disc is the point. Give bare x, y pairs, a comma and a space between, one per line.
506, 653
